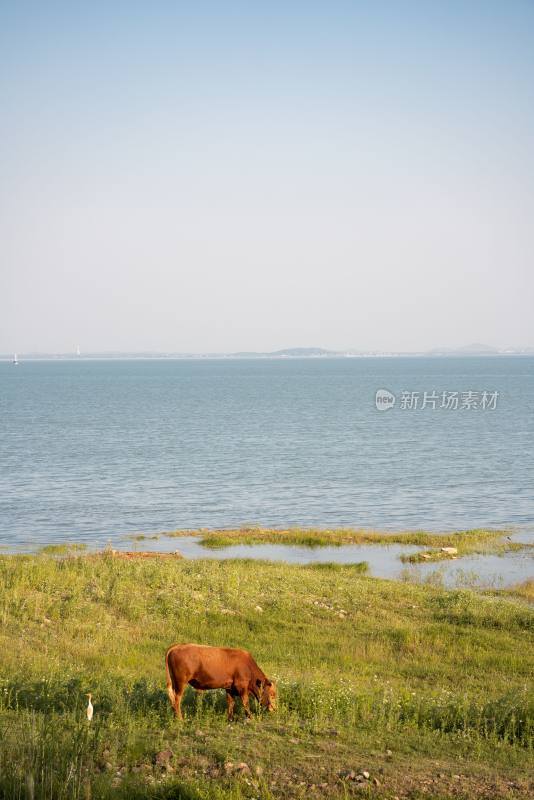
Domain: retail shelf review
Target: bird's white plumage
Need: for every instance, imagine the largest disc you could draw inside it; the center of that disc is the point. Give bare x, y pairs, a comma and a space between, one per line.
89, 709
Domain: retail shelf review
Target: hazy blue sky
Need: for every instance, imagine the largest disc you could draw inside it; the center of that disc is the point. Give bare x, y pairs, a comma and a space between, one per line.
219, 176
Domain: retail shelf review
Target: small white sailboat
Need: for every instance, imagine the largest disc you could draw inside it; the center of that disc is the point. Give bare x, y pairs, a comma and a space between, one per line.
15, 360
78, 351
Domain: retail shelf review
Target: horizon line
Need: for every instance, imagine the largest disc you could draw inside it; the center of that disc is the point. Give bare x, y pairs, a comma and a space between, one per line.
284, 353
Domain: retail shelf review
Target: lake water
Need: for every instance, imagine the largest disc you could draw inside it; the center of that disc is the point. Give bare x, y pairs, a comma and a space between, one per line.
93, 450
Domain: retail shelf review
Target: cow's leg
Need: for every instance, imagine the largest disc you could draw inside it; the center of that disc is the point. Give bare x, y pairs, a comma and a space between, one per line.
170, 693
178, 694
244, 699
230, 703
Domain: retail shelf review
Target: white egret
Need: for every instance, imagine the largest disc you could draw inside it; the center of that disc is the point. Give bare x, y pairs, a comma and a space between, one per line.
89, 708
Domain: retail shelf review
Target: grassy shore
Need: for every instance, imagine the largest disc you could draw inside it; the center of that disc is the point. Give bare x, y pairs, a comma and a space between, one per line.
427, 691
439, 546
321, 537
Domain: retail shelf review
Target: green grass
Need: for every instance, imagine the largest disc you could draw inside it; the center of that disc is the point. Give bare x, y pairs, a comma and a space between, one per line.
318, 537
466, 547
442, 679
62, 549
524, 590
468, 542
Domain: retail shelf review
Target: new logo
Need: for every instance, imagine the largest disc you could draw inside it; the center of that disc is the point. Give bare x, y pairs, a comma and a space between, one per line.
384, 399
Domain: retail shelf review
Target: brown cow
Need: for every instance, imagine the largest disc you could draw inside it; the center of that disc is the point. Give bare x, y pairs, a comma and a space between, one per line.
204, 667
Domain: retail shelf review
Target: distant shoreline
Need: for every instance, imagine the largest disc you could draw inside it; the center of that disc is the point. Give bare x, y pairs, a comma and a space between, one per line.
252, 357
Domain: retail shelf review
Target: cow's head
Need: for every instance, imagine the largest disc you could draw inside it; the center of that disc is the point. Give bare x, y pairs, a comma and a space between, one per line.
268, 696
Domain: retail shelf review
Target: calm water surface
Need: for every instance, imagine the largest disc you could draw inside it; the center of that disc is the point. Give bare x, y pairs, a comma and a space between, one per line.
93, 450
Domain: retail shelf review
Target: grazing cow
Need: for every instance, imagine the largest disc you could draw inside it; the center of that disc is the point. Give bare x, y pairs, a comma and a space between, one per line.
204, 667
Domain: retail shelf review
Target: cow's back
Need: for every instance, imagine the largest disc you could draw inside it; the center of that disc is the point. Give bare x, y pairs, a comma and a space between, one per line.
206, 666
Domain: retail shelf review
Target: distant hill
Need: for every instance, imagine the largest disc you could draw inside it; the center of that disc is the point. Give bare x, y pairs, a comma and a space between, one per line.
467, 350
289, 352
304, 352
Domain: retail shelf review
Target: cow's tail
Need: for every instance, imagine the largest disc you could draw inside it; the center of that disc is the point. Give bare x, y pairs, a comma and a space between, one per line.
168, 675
